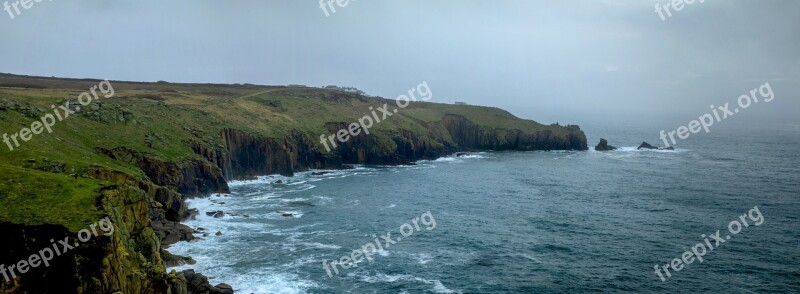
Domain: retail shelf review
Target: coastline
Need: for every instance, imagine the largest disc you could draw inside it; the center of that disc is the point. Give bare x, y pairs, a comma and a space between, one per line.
153, 145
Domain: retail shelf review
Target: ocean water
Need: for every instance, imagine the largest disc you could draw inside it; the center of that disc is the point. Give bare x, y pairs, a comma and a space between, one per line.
523, 222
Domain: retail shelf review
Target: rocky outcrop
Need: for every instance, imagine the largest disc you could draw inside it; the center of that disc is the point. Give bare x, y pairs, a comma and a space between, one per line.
647, 146
171, 260
469, 135
603, 146
191, 177
198, 284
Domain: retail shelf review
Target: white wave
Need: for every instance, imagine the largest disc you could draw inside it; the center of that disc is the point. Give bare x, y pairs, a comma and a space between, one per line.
322, 246
323, 199
531, 258
385, 278
423, 258
260, 180
472, 155
295, 200
438, 287
447, 159
267, 283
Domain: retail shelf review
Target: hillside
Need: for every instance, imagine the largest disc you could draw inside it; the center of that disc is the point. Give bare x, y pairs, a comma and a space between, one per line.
136, 155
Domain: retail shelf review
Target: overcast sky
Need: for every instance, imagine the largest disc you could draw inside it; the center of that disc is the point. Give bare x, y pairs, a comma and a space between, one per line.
545, 60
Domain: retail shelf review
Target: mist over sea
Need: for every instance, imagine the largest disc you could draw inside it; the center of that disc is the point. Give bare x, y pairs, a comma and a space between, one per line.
523, 222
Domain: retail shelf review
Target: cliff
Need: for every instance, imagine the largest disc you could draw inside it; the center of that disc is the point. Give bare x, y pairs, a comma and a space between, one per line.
137, 155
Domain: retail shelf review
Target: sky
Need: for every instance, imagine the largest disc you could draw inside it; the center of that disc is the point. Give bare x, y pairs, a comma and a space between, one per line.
559, 60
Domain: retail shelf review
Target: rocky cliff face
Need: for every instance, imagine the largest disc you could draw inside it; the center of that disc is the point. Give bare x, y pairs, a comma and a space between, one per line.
126, 262
472, 136
245, 156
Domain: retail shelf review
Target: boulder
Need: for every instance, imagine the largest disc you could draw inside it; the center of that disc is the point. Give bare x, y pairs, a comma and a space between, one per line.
222, 289
172, 232
198, 283
320, 173
603, 146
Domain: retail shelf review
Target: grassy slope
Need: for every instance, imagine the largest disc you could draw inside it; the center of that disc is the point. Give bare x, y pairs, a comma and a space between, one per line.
169, 115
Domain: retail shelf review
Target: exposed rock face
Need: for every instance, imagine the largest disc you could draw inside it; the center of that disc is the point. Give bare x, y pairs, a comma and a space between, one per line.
191, 177
101, 265
469, 135
603, 146
245, 156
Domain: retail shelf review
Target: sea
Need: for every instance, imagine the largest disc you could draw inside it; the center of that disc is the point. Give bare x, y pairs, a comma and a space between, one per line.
523, 222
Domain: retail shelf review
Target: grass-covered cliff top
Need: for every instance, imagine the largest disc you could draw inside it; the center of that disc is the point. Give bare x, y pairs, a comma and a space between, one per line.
37, 183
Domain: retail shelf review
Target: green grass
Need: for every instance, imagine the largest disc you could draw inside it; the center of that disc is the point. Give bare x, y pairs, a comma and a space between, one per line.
33, 197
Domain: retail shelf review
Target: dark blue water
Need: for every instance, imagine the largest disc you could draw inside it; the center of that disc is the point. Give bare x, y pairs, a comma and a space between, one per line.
524, 222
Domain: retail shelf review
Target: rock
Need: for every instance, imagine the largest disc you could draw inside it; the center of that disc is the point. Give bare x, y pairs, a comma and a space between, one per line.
193, 213
285, 213
198, 283
173, 260
320, 173
216, 214
603, 146
172, 232
278, 182
222, 289
218, 233
646, 145
462, 154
